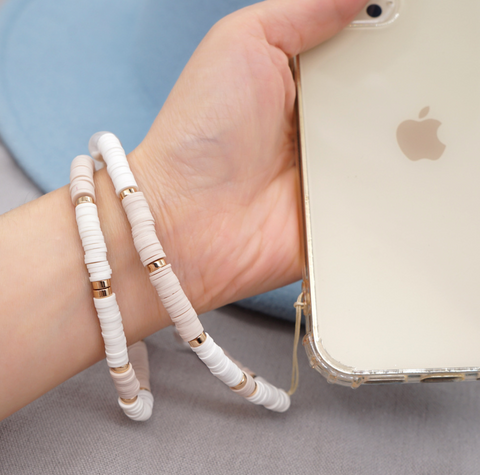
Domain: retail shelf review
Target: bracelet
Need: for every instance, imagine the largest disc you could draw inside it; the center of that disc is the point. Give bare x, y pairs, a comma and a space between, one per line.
104, 146
131, 377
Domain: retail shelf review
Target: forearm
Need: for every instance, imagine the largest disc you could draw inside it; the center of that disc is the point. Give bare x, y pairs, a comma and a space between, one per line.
50, 331
218, 170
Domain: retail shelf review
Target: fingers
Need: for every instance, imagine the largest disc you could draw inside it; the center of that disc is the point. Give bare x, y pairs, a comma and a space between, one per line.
295, 26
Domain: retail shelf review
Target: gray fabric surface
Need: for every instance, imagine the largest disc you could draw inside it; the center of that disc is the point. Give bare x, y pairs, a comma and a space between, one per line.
198, 426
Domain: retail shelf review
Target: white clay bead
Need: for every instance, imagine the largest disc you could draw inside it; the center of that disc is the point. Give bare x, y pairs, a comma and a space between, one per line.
115, 339
105, 145
141, 409
93, 242
98, 267
218, 364
87, 209
112, 330
244, 368
112, 327
101, 275
116, 356
138, 356
228, 372
127, 384
269, 396
109, 321
95, 266
95, 257
116, 359
93, 146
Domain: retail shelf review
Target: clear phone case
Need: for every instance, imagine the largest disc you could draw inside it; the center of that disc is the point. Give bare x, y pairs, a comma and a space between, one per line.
389, 125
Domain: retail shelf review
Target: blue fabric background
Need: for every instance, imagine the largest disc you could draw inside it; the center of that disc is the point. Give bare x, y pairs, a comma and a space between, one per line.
70, 69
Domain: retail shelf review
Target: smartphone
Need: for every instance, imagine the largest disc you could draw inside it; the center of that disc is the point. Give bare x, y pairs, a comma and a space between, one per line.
389, 132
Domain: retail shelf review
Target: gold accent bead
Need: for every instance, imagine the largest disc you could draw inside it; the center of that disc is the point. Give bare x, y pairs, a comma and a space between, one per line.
101, 284
241, 384
84, 199
121, 369
146, 389
128, 191
199, 341
254, 391
156, 265
102, 293
129, 401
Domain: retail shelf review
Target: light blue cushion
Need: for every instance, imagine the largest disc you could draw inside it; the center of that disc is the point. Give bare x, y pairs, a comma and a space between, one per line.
69, 69
278, 303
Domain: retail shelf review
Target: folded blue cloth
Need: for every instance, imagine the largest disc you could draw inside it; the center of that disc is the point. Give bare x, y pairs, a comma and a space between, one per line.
277, 303
70, 69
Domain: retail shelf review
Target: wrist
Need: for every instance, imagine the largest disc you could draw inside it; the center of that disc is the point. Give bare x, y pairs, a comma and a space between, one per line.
211, 227
173, 219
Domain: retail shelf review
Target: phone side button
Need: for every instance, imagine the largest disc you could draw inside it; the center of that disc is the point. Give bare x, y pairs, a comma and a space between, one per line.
385, 381
443, 378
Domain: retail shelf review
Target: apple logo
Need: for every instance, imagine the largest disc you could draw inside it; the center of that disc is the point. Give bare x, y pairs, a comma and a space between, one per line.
419, 139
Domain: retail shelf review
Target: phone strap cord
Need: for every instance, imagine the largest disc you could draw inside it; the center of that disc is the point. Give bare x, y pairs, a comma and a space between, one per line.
299, 305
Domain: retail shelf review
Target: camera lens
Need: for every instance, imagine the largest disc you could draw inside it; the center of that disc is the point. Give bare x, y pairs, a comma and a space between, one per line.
374, 10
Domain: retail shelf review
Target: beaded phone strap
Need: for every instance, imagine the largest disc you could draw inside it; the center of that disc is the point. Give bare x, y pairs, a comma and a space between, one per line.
131, 378
106, 146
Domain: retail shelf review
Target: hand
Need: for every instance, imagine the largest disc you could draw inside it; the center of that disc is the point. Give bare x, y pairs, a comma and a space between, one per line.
219, 163
218, 168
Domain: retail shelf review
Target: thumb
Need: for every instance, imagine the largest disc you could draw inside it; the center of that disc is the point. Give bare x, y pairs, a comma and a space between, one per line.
295, 26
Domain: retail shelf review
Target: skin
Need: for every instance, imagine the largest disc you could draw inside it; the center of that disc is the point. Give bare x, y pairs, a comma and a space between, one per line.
218, 168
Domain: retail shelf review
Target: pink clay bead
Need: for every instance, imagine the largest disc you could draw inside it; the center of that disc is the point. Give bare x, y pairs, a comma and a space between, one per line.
126, 383
143, 228
154, 254
80, 188
248, 389
176, 303
83, 160
174, 299
181, 307
189, 327
138, 355
137, 209
81, 178
165, 281
83, 172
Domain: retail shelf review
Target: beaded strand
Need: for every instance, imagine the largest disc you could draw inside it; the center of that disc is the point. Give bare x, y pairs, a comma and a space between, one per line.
134, 393
106, 146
